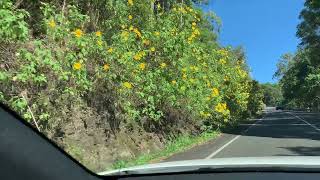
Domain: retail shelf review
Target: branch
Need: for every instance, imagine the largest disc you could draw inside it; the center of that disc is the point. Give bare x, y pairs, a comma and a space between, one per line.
29, 109
63, 6
18, 4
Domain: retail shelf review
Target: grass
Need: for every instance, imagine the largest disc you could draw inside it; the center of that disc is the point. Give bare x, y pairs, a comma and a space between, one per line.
180, 144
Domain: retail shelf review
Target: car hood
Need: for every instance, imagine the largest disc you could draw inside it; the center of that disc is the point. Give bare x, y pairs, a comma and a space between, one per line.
277, 163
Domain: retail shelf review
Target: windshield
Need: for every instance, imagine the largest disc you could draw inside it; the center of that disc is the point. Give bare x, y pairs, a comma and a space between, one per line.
134, 82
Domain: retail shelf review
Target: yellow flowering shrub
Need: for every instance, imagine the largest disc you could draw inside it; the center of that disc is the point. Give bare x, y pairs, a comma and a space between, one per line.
130, 66
149, 61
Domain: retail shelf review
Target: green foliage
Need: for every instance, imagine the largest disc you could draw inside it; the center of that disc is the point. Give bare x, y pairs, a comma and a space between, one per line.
12, 24
179, 144
299, 84
272, 95
299, 73
283, 65
255, 101
308, 30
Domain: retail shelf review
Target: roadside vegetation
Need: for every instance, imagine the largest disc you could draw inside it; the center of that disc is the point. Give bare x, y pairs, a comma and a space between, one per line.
299, 72
111, 80
272, 95
177, 145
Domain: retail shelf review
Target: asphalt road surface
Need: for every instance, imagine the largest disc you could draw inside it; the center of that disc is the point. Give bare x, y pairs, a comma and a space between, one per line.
278, 133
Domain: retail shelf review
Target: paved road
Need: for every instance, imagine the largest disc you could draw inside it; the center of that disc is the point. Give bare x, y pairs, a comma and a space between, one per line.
278, 133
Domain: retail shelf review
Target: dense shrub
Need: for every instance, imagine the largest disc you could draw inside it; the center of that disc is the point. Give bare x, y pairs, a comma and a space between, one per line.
135, 67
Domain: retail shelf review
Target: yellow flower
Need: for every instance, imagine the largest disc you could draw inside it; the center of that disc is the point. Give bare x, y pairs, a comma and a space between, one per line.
192, 80
174, 9
163, 65
223, 52
194, 24
222, 61
78, 33
142, 53
208, 98
52, 24
127, 85
158, 6
130, 17
130, 2
184, 76
146, 42
77, 66
174, 32
181, 9
184, 69
157, 33
215, 92
204, 114
131, 28
152, 49
125, 35
221, 107
196, 32
110, 50
138, 56
99, 42
142, 66
123, 26
98, 33
174, 82
106, 67
138, 33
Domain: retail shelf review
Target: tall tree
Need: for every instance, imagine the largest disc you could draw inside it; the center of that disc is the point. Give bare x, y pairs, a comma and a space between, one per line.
309, 29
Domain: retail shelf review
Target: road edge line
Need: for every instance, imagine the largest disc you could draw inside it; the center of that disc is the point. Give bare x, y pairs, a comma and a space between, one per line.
305, 121
232, 140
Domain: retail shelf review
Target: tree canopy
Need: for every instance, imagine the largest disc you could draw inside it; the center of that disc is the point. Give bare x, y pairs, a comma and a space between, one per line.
299, 74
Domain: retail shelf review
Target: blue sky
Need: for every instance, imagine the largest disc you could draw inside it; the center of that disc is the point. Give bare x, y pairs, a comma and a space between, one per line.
265, 28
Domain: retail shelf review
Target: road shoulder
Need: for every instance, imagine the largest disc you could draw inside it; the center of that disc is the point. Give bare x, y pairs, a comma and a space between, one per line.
205, 150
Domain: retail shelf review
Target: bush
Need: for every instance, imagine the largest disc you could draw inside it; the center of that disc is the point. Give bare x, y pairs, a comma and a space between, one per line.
134, 68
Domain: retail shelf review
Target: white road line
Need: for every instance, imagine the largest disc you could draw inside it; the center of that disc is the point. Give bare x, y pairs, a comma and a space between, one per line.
228, 143
304, 121
277, 124
222, 147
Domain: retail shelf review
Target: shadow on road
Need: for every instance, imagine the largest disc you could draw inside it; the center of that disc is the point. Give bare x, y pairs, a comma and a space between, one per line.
302, 151
281, 125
